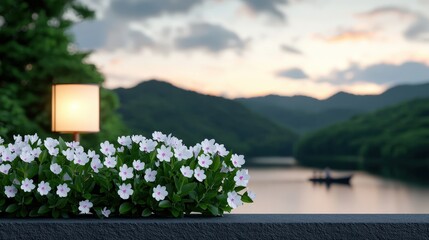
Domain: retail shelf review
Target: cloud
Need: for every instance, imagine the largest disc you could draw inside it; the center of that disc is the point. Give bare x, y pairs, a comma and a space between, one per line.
382, 73
143, 9
347, 35
270, 7
417, 30
210, 37
292, 73
110, 35
290, 49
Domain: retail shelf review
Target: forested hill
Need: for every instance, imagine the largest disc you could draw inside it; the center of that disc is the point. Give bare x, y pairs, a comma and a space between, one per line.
397, 136
155, 105
304, 114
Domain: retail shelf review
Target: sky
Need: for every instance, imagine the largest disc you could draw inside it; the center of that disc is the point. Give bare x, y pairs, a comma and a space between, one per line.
246, 48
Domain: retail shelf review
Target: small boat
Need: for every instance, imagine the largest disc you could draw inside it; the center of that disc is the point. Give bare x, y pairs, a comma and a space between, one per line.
329, 180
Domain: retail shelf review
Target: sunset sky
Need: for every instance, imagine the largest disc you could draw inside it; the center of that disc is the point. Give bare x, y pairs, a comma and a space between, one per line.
243, 48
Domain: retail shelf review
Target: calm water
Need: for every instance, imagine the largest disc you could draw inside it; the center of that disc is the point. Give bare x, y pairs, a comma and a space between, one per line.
287, 190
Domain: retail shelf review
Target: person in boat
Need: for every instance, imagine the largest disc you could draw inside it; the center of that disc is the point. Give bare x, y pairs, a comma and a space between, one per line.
327, 173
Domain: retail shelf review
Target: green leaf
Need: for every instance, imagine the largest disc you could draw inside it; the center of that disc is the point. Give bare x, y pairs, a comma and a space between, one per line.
187, 188
62, 144
23, 212
55, 213
12, 208
216, 163
175, 213
2, 201
164, 204
78, 183
239, 188
87, 196
43, 210
28, 200
245, 198
193, 195
125, 207
33, 213
214, 210
146, 212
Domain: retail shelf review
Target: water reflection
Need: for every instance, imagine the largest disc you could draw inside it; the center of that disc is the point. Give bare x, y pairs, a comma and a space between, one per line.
287, 190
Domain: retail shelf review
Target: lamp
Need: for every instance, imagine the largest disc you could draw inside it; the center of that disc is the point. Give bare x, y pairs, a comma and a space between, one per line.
75, 108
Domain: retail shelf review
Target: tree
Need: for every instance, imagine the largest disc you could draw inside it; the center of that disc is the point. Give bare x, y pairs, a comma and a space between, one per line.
36, 51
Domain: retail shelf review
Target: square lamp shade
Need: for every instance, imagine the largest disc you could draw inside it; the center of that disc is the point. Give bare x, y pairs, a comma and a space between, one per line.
75, 108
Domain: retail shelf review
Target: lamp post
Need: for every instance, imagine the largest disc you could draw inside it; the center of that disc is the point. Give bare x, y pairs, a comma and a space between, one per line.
75, 109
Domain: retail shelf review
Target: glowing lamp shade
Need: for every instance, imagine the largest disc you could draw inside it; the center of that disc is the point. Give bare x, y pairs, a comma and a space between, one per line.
75, 108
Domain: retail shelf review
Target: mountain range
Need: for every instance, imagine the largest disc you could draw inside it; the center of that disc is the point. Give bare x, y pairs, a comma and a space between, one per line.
267, 125
159, 106
303, 114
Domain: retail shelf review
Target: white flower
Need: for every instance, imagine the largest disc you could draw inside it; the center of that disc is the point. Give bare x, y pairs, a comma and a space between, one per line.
199, 174
96, 164
251, 195
110, 162
17, 138
106, 212
221, 150
43, 188
72, 144
164, 154
4, 168
69, 154
234, 200
157, 163
138, 165
51, 143
187, 171
137, 138
242, 178
237, 160
107, 148
147, 145
81, 159
27, 156
53, 151
1, 140
27, 185
85, 206
159, 136
10, 191
55, 168
182, 153
196, 149
91, 154
173, 141
33, 138
63, 190
120, 149
208, 146
150, 175
159, 193
79, 149
36, 152
8, 156
125, 141
125, 172
204, 161
125, 191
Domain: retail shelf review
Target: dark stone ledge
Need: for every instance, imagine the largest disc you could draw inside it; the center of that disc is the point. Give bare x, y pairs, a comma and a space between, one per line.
233, 226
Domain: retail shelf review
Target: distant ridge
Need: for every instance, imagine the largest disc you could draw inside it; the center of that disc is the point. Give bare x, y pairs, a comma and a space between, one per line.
304, 114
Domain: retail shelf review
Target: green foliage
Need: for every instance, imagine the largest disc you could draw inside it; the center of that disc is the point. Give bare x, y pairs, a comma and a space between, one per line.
396, 136
155, 105
101, 186
36, 51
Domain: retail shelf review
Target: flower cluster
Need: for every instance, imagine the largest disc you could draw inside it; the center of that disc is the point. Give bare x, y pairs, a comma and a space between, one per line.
138, 176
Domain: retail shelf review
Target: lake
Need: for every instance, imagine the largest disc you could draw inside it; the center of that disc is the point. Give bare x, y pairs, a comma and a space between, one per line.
286, 189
